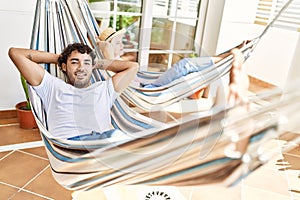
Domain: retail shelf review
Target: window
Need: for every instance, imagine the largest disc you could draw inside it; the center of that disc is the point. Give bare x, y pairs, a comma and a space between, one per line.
159, 32
120, 14
289, 19
173, 32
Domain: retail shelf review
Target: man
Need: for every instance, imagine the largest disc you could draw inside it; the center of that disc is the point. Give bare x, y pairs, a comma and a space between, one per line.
76, 108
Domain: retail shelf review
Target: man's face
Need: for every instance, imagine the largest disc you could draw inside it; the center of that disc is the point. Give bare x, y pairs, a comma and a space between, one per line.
118, 45
78, 69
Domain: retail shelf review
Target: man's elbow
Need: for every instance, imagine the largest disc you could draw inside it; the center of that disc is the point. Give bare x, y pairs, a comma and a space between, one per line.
11, 52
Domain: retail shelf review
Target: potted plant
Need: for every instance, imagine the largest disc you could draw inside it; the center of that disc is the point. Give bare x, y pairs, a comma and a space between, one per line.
24, 113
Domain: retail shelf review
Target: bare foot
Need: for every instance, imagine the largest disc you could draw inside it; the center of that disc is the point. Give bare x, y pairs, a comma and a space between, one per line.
243, 44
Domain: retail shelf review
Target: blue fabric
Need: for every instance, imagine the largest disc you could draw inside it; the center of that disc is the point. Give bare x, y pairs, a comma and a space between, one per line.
96, 135
182, 68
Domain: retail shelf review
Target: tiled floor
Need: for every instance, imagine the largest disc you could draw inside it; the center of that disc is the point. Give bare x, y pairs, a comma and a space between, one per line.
24, 171
25, 174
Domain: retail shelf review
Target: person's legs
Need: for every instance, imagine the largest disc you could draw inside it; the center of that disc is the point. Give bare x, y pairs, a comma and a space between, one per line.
182, 68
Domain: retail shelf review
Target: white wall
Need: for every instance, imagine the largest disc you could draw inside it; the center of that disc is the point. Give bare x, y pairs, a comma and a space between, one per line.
272, 58
238, 15
16, 19
294, 72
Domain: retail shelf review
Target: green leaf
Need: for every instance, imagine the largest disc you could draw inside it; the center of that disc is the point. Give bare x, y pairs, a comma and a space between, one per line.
25, 88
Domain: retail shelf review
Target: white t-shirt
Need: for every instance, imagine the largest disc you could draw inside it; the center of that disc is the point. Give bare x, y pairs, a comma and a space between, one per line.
74, 111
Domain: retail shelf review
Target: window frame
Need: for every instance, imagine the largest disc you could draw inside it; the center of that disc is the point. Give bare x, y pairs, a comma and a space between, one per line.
208, 22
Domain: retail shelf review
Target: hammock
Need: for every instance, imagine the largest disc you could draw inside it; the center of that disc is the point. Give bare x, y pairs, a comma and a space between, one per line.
153, 99
190, 150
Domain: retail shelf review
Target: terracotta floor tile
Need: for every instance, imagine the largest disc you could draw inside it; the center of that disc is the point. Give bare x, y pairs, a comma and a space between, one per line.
295, 151
289, 136
39, 151
257, 85
45, 185
2, 154
7, 191
18, 168
8, 117
14, 134
291, 162
9, 121
23, 195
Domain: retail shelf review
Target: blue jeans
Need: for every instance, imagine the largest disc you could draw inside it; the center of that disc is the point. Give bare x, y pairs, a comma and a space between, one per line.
182, 68
96, 135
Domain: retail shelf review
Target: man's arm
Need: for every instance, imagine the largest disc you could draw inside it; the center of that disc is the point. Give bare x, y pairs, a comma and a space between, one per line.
125, 72
27, 61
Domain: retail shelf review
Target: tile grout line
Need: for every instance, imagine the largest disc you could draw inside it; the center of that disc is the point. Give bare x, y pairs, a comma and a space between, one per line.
7, 184
290, 154
12, 124
31, 154
7, 155
24, 145
24, 190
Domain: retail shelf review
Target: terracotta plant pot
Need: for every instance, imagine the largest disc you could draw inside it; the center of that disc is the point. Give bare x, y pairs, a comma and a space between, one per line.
25, 117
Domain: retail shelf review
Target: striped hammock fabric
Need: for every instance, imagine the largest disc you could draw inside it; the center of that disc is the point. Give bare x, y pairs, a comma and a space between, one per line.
151, 99
156, 98
185, 150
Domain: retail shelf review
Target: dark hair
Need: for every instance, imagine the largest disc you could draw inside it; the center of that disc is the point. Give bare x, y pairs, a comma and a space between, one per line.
81, 48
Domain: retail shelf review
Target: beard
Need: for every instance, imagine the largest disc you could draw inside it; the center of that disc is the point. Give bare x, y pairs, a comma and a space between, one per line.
81, 83
79, 80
